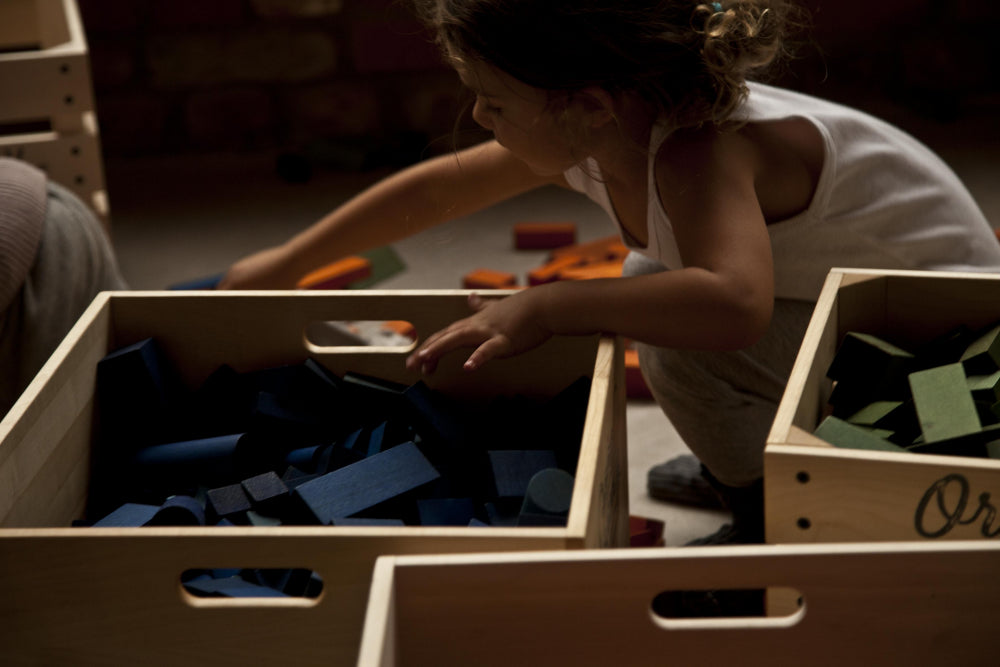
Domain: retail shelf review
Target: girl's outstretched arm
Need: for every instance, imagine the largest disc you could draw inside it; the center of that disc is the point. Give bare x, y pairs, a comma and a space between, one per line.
722, 298
416, 198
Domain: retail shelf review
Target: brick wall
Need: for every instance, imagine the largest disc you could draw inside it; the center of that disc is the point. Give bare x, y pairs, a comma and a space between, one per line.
352, 83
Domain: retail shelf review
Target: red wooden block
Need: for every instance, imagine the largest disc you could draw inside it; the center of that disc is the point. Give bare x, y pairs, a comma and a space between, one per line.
544, 235
489, 279
635, 384
645, 532
337, 275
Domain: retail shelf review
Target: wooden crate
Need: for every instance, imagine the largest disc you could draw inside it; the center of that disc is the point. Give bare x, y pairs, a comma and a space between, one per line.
815, 492
891, 604
47, 113
113, 595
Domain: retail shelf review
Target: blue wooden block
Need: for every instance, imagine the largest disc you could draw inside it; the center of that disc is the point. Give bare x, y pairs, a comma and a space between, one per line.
367, 483
446, 511
179, 511
293, 477
477, 523
211, 461
303, 458
365, 521
267, 493
206, 282
548, 498
512, 469
228, 502
435, 415
128, 515
374, 399
560, 422
231, 587
139, 396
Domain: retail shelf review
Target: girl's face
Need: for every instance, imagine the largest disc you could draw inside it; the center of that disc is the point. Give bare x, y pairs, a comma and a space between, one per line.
520, 117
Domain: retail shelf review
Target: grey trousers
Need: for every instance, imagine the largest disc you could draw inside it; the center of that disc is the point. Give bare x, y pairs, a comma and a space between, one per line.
723, 403
75, 261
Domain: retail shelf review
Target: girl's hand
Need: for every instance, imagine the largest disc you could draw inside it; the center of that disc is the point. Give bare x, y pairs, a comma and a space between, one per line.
499, 328
262, 270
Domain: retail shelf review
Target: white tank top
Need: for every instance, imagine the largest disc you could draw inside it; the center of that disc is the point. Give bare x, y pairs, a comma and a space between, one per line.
883, 200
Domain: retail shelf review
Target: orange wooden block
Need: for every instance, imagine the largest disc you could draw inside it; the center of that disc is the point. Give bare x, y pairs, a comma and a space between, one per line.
544, 235
401, 327
607, 269
489, 279
550, 271
337, 275
635, 384
599, 250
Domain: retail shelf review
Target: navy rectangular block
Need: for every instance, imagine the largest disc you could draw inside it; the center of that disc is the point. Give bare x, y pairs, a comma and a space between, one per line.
437, 416
367, 483
205, 282
512, 469
267, 493
446, 511
128, 515
231, 587
227, 502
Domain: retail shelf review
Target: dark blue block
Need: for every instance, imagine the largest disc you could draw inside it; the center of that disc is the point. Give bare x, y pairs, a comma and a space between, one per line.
179, 511
365, 521
228, 502
267, 493
560, 421
547, 499
210, 461
139, 396
435, 415
128, 515
303, 458
232, 587
374, 399
446, 511
207, 282
367, 483
512, 469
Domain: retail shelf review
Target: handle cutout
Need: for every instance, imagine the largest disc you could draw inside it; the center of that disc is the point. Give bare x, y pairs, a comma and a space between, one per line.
275, 585
727, 608
396, 334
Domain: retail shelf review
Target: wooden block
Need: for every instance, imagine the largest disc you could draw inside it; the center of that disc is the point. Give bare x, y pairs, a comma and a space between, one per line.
982, 357
868, 358
985, 388
138, 395
229, 587
944, 403
635, 383
228, 502
598, 250
840, 433
210, 461
128, 515
365, 521
446, 511
645, 532
607, 269
550, 271
367, 483
267, 493
547, 499
544, 235
179, 511
205, 283
513, 469
337, 275
435, 415
488, 279
401, 327
558, 423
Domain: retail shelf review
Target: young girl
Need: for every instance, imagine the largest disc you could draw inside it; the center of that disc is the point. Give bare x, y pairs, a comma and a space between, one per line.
735, 197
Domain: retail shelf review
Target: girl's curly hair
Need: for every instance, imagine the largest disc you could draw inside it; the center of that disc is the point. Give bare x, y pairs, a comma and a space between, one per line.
691, 60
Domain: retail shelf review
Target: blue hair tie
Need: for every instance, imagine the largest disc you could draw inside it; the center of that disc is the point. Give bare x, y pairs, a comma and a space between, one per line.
717, 6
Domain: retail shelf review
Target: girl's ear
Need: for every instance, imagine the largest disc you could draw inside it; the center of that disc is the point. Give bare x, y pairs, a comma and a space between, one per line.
598, 106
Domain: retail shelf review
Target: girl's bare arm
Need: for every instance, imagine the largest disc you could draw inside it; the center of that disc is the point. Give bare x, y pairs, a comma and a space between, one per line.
416, 198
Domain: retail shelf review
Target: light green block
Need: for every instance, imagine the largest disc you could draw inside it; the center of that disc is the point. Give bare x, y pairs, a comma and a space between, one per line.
944, 403
843, 434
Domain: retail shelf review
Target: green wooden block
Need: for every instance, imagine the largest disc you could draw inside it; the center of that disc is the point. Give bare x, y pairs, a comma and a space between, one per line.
982, 357
867, 367
843, 434
985, 388
971, 444
993, 449
944, 403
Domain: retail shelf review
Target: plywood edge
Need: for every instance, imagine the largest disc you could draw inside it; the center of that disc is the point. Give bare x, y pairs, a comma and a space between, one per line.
378, 641
797, 451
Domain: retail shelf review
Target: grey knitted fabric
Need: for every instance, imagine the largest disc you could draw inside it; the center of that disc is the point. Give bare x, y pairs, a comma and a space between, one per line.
22, 212
72, 262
